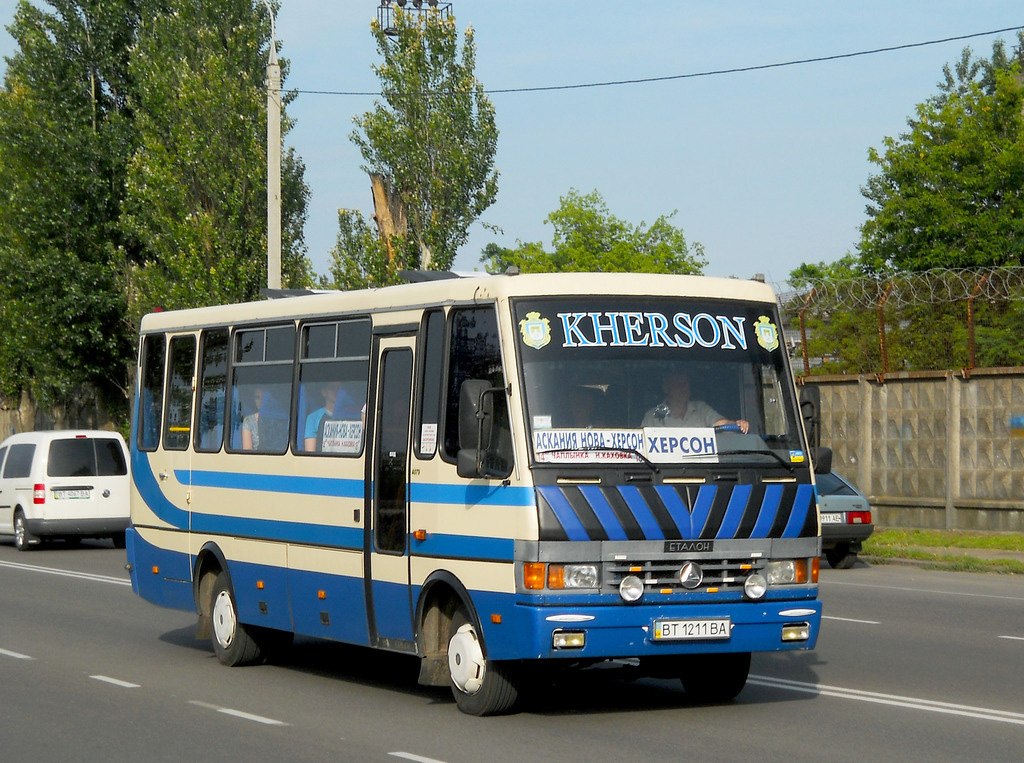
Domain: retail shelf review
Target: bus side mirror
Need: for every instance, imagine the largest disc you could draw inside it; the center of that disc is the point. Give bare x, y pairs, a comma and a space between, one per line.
477, 446
810, 411
822, 460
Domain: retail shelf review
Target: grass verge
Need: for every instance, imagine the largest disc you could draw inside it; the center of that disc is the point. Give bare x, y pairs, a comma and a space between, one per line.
931, 548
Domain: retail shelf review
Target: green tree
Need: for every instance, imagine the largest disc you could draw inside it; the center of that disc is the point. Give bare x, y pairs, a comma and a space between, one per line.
196, 186
950, 192
588, 238
65, 123
431, 141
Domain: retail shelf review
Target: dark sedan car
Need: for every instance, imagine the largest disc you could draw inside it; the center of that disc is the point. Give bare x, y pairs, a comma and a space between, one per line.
845, 520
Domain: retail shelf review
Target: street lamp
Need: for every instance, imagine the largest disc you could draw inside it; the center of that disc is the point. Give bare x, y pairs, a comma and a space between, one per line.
273, 159
386, 11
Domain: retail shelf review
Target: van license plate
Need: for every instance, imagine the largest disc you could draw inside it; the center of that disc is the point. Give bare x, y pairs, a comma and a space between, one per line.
719, 628
67, 494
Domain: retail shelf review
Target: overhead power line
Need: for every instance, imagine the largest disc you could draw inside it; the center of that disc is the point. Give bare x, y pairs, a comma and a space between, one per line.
711, 73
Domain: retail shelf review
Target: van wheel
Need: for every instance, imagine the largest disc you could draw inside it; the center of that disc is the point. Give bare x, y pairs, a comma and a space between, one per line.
231, 641
23, 539
480, 686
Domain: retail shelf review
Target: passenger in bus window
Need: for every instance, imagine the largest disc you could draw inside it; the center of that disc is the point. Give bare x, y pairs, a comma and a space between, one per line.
678, 410
584, 407
251, 423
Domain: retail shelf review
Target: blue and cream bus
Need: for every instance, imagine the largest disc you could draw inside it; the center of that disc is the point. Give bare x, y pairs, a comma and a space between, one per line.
501, 475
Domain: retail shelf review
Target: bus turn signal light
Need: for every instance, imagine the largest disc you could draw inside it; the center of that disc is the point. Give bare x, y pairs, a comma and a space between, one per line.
533, 576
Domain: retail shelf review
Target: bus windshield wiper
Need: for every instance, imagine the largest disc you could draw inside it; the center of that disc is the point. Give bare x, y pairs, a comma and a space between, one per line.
607, 449
755, 452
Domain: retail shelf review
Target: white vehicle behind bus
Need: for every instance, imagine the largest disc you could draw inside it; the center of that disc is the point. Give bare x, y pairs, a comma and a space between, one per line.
64, 484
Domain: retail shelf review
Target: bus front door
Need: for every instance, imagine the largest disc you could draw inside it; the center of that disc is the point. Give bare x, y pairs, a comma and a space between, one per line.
389, 603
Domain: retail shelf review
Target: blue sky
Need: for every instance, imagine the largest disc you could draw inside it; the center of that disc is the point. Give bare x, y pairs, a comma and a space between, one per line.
764, 168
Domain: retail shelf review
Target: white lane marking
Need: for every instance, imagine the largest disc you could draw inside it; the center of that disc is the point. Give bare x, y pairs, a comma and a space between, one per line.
66, 573
923, 590
116, 682
912, 703
851, 620
418, 758
15, 655
238, 713
1013, 638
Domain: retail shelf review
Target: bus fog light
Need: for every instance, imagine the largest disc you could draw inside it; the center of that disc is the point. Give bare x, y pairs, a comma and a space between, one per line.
755, 586
568, 639
796, 632
631, 588
781, 573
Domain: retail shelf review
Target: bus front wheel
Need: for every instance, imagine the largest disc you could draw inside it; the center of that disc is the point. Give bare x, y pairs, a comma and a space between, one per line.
232, 643
480, 686
715, 677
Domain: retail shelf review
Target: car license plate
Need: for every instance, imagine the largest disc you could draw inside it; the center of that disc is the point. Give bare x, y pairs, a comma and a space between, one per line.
692, 630
69, 494
831, 519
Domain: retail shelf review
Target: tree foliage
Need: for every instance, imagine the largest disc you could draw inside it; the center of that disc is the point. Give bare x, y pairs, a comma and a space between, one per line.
432, 138
950, 192
588, 238
66, 124
197, 205
133, 167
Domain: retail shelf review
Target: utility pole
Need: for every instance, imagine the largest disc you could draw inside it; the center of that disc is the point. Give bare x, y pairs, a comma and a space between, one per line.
273, 161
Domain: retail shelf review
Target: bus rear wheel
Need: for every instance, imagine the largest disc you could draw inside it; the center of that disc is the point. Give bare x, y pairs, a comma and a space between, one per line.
232, 643
715, 677
480, 686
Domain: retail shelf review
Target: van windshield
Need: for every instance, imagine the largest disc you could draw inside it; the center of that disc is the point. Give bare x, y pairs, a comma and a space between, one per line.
665, 380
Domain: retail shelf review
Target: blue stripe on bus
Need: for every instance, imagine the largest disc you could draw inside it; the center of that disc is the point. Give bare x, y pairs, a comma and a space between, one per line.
798, 514
677, 510
464, 547
273, 483
641, 513
734, 512
564, 513
472, 495
604, 512
769, 510
702, 508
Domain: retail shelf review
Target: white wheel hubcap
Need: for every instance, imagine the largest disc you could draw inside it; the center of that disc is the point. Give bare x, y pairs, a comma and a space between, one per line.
224, 619
466, 660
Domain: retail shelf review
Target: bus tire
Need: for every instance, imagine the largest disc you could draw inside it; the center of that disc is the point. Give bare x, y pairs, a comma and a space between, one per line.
232, 643
23, 539
711, 678
480, 686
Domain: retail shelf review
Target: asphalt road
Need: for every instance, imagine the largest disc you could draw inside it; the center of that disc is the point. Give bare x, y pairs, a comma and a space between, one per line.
911, 665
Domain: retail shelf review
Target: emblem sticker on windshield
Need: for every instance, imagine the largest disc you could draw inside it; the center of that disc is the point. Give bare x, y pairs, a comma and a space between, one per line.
767, 333
536, 331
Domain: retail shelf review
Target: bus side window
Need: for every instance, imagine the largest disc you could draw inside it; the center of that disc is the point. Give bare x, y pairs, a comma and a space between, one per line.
430, 384
261, 389
213, 379
334, 368
151, 392
178, 415
475, 353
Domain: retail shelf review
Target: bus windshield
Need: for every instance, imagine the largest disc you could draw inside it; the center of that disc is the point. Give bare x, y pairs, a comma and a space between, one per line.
657, 380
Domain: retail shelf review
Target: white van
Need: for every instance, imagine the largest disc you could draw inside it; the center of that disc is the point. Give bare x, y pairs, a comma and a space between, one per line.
67, 484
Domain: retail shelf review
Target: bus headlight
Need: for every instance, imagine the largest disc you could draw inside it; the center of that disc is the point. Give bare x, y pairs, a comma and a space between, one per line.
631, 588
572, 576
781, 573
755, 586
